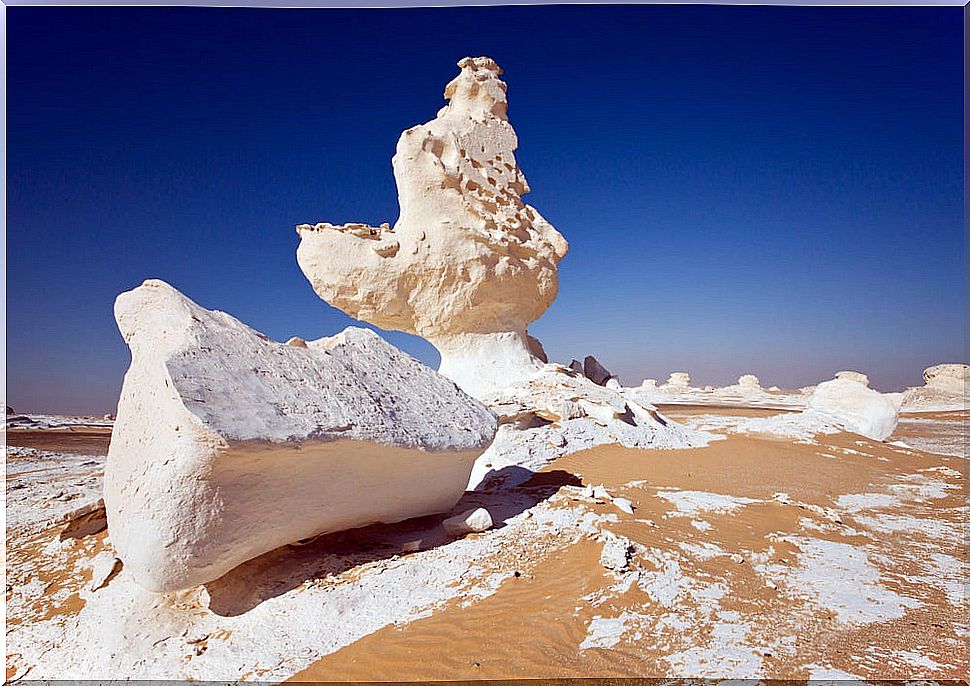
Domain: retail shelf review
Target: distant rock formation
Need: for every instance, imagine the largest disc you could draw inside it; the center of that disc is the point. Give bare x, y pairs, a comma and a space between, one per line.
228, 444
946, 388
948, 378
468, 265
678, 380
852, 405
858, 377
749, 382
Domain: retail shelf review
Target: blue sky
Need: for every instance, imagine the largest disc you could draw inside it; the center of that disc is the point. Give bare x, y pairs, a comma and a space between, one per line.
744, 189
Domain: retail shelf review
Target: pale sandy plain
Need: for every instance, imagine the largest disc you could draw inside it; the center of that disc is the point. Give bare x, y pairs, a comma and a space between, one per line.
831, 556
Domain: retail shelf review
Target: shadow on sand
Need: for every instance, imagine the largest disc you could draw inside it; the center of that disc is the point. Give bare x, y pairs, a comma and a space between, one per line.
331, 555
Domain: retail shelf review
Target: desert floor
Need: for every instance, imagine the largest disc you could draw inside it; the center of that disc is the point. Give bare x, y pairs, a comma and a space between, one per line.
832, 556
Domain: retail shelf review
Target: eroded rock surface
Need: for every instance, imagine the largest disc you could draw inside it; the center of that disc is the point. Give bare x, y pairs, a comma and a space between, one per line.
855, 407
945, 389
468, 265
228, 444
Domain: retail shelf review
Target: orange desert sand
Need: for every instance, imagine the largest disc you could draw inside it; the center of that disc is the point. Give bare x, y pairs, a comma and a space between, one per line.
833, 557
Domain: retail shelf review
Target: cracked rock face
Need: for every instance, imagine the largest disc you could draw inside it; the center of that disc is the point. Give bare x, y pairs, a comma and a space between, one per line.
228, 444
468, 265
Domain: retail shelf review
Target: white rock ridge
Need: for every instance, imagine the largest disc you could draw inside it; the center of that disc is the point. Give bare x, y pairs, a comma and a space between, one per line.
850, 404
468, 265
228, 444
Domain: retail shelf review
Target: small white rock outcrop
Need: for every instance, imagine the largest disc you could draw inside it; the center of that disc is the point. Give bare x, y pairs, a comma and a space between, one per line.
468, 522
228, 444
678, 380
468, 265
749, 382
558, 411
850, 404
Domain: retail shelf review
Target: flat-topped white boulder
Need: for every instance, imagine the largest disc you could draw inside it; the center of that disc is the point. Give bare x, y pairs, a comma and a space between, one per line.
468, 265
858, 377
228, 444
850, 404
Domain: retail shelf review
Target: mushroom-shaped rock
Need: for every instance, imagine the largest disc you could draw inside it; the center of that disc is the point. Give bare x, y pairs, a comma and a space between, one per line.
228, 444
749, 381
468, 265
855, 407
678, 380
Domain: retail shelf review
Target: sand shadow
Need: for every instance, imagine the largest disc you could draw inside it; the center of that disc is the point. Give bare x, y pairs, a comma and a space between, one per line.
336, 555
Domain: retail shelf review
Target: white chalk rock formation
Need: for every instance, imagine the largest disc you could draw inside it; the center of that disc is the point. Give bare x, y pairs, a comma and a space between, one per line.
468, 265
948, 378
749, 382
228, 444
858, 377
850, 404
946, 388
678, 380
559, 411
468, 522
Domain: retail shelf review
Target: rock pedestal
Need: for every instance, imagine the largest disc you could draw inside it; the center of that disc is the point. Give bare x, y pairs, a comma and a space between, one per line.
468, 265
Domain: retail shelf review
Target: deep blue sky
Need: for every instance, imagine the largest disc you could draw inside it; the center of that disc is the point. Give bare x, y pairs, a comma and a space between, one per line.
744, 189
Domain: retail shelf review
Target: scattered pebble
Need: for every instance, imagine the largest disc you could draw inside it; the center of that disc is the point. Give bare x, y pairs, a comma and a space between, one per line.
623, 504
470, 521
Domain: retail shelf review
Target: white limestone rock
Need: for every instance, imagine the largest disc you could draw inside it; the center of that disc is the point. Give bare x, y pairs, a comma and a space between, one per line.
468, 522
850, 404
623, 504
468, 265
749, 382
678, 380
946, 389
948, 378
618, 551
556, 412
229, 444
858, 377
